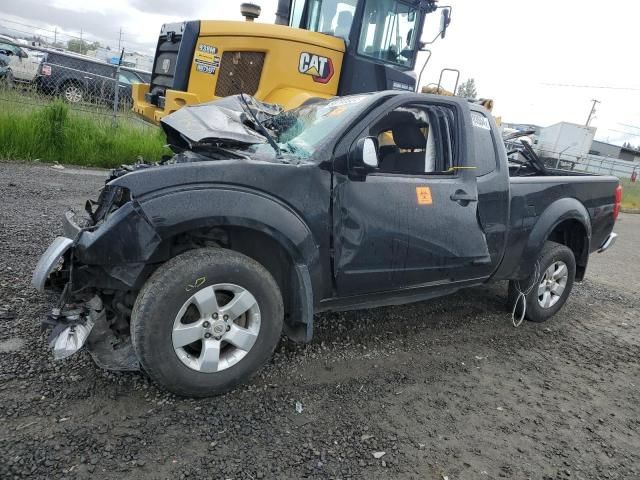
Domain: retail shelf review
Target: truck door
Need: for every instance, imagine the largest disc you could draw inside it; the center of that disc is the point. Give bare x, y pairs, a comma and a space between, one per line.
411, 222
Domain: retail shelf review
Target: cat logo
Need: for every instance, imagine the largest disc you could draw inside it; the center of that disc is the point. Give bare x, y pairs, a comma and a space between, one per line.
166, 64
320, 68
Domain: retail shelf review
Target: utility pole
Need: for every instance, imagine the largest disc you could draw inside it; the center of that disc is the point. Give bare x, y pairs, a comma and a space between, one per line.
120, 39
55, 36
593, 110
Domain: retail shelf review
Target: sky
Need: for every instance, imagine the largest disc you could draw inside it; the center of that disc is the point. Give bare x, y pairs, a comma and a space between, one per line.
542, 62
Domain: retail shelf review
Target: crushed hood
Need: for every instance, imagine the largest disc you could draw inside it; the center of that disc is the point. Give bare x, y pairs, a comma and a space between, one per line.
225, 121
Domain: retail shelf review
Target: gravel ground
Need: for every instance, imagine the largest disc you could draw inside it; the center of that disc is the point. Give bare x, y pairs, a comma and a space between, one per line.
445, 388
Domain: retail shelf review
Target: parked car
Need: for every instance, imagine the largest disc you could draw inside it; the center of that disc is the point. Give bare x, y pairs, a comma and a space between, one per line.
6, 77
192, 268
78, 78
23, 66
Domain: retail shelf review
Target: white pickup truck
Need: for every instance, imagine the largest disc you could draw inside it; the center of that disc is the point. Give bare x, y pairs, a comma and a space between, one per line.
23, 65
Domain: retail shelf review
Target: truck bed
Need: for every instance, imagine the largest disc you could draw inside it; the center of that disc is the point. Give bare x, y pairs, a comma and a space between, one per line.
532, 196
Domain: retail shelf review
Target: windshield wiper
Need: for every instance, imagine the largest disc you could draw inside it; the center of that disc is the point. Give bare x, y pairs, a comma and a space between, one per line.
262, 128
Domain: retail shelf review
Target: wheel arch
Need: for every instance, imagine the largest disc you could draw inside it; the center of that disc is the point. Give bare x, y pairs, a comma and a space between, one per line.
565, 221
253, 224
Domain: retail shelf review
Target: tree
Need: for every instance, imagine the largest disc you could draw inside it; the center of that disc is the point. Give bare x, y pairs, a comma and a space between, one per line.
80, 46
467, 89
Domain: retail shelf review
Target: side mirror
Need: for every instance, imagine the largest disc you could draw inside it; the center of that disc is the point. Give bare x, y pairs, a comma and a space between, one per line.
370, 152
445, 20
364, 156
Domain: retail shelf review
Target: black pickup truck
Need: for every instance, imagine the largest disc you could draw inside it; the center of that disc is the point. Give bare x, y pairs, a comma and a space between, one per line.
193, 267
79, 78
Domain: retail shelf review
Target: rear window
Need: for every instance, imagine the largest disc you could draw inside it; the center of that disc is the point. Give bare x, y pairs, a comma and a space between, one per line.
484, 144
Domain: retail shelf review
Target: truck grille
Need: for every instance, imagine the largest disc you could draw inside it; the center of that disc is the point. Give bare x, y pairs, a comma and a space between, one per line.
240, 72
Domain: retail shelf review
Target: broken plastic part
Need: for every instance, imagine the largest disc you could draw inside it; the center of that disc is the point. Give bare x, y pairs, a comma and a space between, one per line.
71, 339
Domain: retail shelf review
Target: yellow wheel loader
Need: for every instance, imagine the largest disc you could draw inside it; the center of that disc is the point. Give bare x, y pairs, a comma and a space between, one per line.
317, 49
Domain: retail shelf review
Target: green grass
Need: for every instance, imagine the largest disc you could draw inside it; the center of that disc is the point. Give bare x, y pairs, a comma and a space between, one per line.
49, 131
630, 194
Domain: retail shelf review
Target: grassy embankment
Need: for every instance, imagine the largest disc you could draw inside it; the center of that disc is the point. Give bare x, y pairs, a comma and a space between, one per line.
50, 131
631, 194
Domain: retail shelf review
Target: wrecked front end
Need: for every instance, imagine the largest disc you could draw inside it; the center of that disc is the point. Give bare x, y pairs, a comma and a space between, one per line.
96, 268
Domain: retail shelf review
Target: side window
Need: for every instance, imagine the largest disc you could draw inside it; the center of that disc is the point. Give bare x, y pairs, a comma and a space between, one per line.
415, 139
484, 144
122, 78
8, 49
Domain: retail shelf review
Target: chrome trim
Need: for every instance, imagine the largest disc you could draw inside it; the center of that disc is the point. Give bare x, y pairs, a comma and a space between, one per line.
608, 243
49, 260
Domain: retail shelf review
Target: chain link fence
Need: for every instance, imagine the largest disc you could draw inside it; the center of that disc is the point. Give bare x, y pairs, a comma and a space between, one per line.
32, 77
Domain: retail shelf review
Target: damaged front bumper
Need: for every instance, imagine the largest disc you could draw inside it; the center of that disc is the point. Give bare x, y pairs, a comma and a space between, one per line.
81, 318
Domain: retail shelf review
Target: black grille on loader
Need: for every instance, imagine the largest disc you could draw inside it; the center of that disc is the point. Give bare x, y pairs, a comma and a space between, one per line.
240, 72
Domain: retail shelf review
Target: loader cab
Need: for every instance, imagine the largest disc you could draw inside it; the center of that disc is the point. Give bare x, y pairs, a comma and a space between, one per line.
382, 38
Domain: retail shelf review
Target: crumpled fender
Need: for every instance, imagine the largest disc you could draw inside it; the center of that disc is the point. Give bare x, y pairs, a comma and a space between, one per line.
126, 237
179, 211
559, 211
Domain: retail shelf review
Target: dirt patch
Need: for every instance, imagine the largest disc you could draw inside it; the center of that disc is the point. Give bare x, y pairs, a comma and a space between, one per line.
444, 388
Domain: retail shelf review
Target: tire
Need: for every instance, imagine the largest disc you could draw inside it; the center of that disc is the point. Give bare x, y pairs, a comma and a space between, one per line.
7, 81
158, 326
542, 306
72, 92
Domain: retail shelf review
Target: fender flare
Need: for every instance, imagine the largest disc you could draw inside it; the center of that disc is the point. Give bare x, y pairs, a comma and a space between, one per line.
559, 211
180, 211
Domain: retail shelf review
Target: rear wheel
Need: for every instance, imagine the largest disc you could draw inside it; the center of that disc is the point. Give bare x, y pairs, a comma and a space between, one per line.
206, 321
549, 290
72, 92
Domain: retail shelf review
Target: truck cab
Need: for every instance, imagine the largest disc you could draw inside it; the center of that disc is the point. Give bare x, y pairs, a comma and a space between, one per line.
317, 49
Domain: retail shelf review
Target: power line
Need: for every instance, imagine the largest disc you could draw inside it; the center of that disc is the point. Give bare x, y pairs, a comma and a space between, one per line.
570, 85
58, 35
627, 125
620, 131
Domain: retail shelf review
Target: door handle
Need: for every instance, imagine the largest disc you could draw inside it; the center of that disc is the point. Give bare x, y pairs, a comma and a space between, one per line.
463, 198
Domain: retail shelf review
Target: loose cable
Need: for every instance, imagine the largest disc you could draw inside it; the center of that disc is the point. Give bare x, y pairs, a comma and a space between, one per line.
522, 295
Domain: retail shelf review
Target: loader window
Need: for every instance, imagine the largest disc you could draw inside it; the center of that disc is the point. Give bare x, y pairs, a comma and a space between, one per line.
333, 17
389, 32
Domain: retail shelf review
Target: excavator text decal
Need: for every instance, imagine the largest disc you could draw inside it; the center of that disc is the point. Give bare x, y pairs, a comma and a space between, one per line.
206, 59
320, 68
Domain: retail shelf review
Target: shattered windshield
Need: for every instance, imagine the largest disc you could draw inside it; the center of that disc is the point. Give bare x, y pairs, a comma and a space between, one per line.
300, 131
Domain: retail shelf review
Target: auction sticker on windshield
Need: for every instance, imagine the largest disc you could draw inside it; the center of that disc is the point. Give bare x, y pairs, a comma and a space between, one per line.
480, 121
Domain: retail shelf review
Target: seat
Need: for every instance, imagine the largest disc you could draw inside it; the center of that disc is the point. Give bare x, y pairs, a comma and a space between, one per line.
407, 136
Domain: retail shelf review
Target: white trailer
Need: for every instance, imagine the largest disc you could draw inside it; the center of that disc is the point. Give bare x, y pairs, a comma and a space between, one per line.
565, 141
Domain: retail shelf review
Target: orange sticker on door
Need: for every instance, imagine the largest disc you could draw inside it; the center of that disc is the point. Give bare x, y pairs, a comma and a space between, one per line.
424, 195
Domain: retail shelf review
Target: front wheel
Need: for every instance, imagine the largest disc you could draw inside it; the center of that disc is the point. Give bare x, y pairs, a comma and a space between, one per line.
206, 321
551, 284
